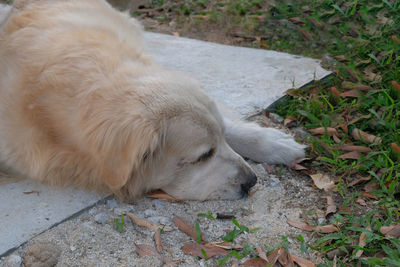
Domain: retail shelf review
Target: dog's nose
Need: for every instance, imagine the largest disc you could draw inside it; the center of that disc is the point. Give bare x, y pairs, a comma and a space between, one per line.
251, 181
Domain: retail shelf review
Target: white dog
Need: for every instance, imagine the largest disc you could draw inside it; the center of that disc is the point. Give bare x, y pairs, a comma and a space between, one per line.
82, 104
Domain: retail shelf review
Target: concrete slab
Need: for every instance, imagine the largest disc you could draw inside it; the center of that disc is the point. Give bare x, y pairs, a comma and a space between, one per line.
244, 79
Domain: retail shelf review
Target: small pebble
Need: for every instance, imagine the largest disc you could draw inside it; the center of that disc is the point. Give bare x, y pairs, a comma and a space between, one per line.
149, 213
321, 221
160, 220
12, 261
112, 203
159, 204
275, 182
119, 211
72, 248
100, 218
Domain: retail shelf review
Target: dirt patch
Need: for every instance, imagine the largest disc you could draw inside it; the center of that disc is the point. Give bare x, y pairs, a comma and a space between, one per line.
93, 240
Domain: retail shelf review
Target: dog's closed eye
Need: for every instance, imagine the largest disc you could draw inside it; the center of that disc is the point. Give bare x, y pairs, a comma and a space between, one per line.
205, 156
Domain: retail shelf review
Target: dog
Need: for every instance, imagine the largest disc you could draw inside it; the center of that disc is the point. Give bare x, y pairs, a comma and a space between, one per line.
83, 104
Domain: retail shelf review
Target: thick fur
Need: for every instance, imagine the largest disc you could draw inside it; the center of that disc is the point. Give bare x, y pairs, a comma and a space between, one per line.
81, 103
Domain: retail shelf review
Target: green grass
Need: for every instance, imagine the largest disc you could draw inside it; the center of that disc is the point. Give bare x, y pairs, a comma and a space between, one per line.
360, 42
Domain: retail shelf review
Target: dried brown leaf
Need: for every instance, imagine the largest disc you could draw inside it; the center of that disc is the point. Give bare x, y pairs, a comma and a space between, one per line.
322, 181
371, 186
341, 58
269, 168
322, 130
305, 34
255, 262
147, 250
361, 202
146, 223
194, 249
395, 147
369, 195
302, 262
359, 180
186, 228
159, 194
351, 148
274, 256
261, 253
298, 167
350, 155
331, 205
326, 229
396, 86
224, 245
301, 225
353, 75
364, 136
391, 230
336, 139
289, 121
285, 259
157, 239
335, 91
362, 242
350, 93
395, 38
296, 20
356, 86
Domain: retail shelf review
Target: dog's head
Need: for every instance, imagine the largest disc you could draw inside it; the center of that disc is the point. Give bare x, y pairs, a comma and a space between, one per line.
177, 144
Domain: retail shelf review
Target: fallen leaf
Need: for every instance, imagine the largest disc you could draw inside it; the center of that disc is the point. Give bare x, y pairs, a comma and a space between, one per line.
361, 244
261, 253
186, 228
364, 136
395, 147
298, 167
356, 86
322, 181
159, 194
341, 58
322, 130
225, 245
285, 259
255, 262
301, 225
146, 223
302, 262
32, 192
157, 239
336, 139
351, 93
361, 202
395, 38
359, 180
391, 230
296, 20
326, 229
371, 186
351, 148
305, 34
146, 250
350, 155
195, 249
274, 256
356, 119
369, 195
331, 205
396, 86
335, 91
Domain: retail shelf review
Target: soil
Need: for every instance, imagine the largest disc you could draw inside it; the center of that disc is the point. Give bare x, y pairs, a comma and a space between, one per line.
92, 239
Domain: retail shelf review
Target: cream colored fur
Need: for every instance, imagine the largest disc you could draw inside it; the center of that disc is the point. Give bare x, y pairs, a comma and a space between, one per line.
81, 103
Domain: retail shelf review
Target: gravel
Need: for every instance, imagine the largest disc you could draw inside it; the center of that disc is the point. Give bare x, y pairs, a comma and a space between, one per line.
91, 239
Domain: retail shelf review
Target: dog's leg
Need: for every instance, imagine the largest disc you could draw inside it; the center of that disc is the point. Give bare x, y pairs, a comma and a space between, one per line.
260, 144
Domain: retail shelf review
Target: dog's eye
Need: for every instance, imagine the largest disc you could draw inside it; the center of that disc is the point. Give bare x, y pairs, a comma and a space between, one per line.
206, 156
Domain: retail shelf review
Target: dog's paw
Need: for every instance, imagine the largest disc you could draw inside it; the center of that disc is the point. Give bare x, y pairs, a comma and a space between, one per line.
269, 145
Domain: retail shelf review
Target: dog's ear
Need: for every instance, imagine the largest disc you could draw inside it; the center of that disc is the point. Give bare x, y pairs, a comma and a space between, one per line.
122, 151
